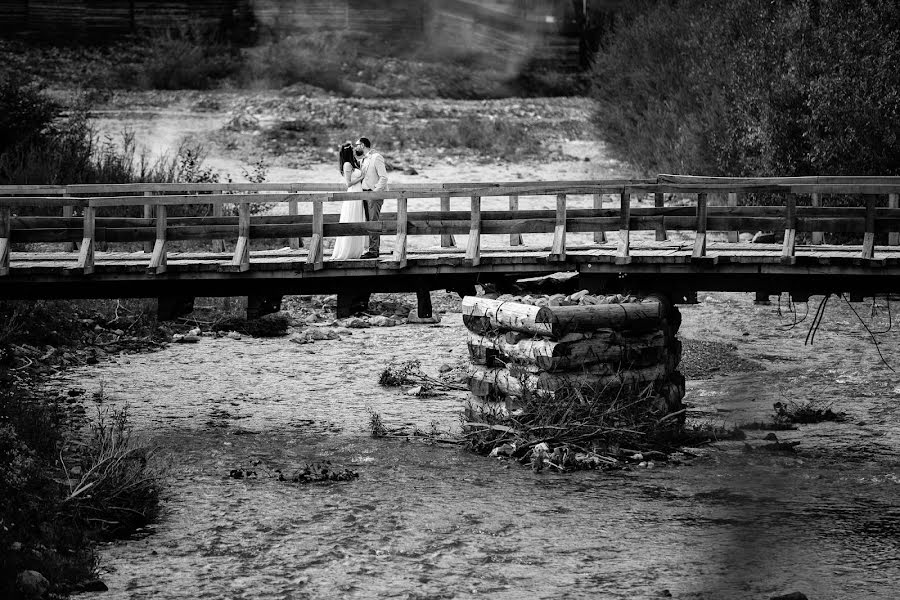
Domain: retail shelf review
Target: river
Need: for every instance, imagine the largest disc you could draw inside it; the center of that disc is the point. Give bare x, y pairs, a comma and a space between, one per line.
432, 521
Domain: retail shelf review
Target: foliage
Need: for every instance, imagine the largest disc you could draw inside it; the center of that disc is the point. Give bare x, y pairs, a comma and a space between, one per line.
811, 411
403, 373
743, 88
116, 487
576, 427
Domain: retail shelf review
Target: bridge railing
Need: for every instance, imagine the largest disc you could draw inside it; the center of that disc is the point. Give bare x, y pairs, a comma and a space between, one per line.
157, 228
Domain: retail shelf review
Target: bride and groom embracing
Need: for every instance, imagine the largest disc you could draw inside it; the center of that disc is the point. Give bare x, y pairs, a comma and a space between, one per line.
364, 171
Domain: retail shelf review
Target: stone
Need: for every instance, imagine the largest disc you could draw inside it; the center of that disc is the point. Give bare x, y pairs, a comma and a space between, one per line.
32, 584
445, 368
791, 596
356, 323
577, 296
381, 321
589, 300
119, 332
414, 391
234, 335
414, 318
316, 333
92, 585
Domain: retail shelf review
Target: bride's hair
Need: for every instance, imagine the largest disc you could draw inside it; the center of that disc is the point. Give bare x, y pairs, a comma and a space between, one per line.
345, 155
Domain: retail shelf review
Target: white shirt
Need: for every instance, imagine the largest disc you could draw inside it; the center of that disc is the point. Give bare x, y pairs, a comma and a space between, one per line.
376, 173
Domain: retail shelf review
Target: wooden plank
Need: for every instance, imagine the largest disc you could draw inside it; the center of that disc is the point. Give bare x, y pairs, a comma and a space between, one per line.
447, 240
515, 239
294, 242
599, 236
158, 259
659, 201
316, 251
148, 214
700, 238
86, 254
473, 248
558, 249
5, 232
623, 254
68, 212
818, 237
733, 236
241, 258
868, 247
218, 244
894, 236
790, 230
400, 244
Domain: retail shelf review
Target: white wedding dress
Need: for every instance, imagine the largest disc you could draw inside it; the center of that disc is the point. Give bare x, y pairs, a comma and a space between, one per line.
352, 211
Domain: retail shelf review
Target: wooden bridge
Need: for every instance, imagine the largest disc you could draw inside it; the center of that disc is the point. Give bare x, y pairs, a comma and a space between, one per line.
675, 234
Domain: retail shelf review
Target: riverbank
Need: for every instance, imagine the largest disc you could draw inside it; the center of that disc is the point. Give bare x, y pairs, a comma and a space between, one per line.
743, 518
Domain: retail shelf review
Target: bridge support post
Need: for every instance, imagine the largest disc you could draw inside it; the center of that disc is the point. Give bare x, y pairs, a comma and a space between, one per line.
169, 308
423, 301
349, 304
258, 306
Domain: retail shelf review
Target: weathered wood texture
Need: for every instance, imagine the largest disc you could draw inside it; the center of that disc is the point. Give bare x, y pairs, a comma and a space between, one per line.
483, 315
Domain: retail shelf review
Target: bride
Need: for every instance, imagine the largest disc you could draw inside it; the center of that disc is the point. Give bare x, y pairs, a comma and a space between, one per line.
352, 211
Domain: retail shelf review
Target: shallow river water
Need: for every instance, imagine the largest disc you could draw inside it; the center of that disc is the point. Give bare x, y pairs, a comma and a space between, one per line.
427, 521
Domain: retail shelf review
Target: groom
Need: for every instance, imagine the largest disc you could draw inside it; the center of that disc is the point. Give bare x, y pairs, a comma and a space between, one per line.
375, 180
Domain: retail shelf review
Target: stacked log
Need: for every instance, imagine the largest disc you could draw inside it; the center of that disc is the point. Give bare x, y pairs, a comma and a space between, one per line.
613, 344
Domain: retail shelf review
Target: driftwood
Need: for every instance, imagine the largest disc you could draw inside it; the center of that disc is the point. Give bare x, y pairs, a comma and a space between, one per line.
482, 315
484, 380
571, 352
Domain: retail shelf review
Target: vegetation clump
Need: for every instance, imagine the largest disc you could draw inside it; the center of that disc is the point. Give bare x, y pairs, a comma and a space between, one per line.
811, 411
748, 88
577, 427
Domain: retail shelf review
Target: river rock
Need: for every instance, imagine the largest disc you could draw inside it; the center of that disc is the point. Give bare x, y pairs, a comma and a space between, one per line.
791, 596
32, 584
414, 318
234, 335
445, 368
382, 321
356, 323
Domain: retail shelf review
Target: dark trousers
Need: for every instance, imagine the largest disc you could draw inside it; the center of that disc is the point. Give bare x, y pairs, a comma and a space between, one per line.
373, 212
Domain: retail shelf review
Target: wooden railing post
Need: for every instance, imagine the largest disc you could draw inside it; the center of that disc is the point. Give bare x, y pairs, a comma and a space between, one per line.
241, 257
868, 247
218, 245
733, 236
473, 248
659, 201
515, 239
790, 230
447, 239
294, 242
599, 236
158, 259
558, 249
148, 214
5, 231
894, 236
624, 252
402, 224
68, 212
86, 254
700, 238
315, 256
818, 237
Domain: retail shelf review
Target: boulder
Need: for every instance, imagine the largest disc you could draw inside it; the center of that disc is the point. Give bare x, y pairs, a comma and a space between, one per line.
382, 321
32, 584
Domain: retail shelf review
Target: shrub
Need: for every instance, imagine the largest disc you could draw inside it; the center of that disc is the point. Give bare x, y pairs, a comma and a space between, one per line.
748, 88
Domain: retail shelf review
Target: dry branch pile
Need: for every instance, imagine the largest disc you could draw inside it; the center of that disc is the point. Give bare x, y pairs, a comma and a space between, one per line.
570, 373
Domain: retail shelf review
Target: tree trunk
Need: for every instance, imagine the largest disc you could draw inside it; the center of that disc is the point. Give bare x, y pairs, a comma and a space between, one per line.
606, 347
481, 315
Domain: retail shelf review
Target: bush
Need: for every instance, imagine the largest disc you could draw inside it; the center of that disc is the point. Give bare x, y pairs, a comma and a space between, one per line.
743, 88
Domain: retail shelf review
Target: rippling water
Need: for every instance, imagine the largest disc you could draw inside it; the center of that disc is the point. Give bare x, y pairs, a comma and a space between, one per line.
435, 522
